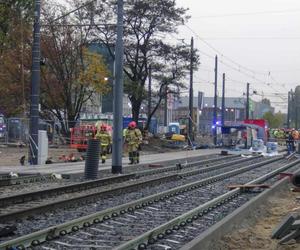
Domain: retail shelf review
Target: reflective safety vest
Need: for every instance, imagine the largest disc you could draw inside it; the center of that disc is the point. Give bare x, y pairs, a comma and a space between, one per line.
104, 137
133, 136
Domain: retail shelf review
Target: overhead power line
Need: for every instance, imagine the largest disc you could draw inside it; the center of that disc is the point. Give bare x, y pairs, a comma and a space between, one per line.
237, 66
253, 38
250, 13
241, 67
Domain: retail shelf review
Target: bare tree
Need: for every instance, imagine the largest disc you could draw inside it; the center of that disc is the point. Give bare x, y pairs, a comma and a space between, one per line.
146, 24
171, 73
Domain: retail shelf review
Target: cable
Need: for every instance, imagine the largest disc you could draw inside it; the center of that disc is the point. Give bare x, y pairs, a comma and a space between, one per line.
236, 69
250, 13
240, 69
222, 55
252, 38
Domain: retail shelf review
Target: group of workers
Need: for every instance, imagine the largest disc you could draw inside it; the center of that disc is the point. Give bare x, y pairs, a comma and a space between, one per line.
132, 137
287, 136
284, 133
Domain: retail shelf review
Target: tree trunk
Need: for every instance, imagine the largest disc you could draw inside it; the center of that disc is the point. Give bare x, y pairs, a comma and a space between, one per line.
152, 113
136, 106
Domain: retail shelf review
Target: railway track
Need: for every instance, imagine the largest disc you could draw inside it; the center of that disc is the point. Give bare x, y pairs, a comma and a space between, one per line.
7, 180
106, 185
24, 179
107, 198
35, 191
133, 171
114, 226
182, 229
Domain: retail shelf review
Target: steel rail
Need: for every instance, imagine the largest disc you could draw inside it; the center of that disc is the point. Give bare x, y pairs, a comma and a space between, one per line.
9, 181
84, 198
50, 233
175, 224
218, 166
19, 198
185, 165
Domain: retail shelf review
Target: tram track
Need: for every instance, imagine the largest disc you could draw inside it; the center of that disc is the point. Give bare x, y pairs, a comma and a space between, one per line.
36, 192
41, 216
10, 184
20, 205
182, 229
179, 194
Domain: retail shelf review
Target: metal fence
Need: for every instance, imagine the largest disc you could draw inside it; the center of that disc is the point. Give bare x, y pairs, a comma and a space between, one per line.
16, 130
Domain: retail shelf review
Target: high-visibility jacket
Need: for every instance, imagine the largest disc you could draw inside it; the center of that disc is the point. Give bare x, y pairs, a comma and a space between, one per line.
104, 137
133, 136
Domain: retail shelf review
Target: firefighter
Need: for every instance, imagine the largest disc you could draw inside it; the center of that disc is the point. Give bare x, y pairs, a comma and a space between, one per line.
105, 141
133, 138
290, 143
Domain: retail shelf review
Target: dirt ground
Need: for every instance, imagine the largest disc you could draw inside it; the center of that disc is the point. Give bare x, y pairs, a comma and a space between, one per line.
252, 237
10, 156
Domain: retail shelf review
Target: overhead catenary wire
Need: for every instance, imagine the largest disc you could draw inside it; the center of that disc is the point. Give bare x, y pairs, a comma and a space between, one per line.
239, 68
250, 13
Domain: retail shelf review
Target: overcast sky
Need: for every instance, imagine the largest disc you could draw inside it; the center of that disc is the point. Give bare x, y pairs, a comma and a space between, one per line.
261, 36
257, 41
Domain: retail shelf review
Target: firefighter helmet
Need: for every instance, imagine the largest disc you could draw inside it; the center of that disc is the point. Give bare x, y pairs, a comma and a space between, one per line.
103, 127
132, 125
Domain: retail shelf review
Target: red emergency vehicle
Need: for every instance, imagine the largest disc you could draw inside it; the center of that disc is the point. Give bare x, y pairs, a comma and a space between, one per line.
81, 134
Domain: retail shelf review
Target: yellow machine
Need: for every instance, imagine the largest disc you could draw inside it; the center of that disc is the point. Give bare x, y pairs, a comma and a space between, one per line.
177, 137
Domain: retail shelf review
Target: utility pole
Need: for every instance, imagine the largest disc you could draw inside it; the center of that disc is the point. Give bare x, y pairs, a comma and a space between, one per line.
35, 86
223, 101
215, 101
247, 102
22, 63
118, 96
149, 90
289, 110
166, 108
296, 108
191, 98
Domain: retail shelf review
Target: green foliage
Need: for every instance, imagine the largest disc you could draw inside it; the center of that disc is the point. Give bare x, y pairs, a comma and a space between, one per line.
73, 76
274, 120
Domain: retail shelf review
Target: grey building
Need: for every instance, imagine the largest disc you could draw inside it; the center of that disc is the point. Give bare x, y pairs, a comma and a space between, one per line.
260, 108
235, 111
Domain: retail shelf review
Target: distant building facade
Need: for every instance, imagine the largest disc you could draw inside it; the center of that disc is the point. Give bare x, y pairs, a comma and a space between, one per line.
235, 111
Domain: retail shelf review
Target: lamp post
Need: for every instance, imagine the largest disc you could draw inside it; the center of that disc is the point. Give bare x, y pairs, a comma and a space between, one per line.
247, 102
223, 101
215, 101
191, 95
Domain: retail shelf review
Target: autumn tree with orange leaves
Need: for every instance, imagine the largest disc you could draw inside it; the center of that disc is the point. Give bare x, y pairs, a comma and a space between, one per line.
72, 74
